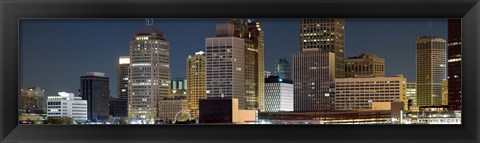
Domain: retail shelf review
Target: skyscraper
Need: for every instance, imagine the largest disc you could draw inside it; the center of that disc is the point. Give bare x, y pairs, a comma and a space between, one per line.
122, 77
326, 34
445, 92
431, 70
225, 55
149, 76
314, 74
364, 65
283, 69
94, 88
455, 64
32, 100
197, 84
251, 32
319, 62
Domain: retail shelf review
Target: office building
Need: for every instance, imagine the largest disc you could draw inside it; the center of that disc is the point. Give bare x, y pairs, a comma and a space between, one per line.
314, 73
171, 108
431, 70
411, 95
225, 56
325, 34
252, 33
67, 105
364, 65
455, 64
359, 93
278, 94
283, 69
94, 87
122, 77
197, 77
32, 100
149, 73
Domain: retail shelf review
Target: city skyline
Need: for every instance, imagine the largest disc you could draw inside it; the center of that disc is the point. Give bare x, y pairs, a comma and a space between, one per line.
281, 33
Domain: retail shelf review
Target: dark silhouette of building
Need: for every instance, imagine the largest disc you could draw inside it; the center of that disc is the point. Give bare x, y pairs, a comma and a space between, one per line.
454, 64
94, 87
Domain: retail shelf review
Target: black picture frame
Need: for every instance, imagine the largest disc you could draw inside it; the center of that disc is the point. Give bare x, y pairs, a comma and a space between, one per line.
12, 10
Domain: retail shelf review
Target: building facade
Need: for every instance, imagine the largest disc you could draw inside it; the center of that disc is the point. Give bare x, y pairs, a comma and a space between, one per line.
118, 107
326, 34
251, 31
283, 69
170, 109
278, 94
445, 92
32, 100
67, 105
225, 55
455, 64
411, 95
314, 73
122, 77
364, 65
149, 73
359, 93
94, 87
197, 77
430, 70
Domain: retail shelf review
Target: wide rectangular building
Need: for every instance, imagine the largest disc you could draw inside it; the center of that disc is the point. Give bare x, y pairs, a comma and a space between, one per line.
359, 93
67, 105
364, 65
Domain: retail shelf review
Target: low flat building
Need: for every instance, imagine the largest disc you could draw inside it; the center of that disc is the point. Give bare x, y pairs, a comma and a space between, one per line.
327, 117
359, 93
67, 105
170, 108
224, 111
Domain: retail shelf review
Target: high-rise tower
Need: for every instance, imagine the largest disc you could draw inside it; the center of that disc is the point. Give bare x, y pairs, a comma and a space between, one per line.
455, 64
149, 73
197, 83
431, 70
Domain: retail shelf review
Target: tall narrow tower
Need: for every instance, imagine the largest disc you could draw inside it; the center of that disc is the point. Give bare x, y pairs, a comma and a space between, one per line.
251, 31
455, 64
197, 83
431, 70
149, 77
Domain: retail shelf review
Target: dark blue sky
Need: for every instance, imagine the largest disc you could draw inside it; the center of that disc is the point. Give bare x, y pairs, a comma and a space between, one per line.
55, 53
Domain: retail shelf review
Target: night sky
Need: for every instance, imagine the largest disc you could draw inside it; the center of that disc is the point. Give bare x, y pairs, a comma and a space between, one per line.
54, 53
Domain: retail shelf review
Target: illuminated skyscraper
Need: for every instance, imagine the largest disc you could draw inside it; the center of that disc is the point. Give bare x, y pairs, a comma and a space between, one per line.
313, 77
283, 69
251, 32
431, 70
197, 83
94, 87
326, 34
455, 64
149, 77
369, 65
225, 55
122, 77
